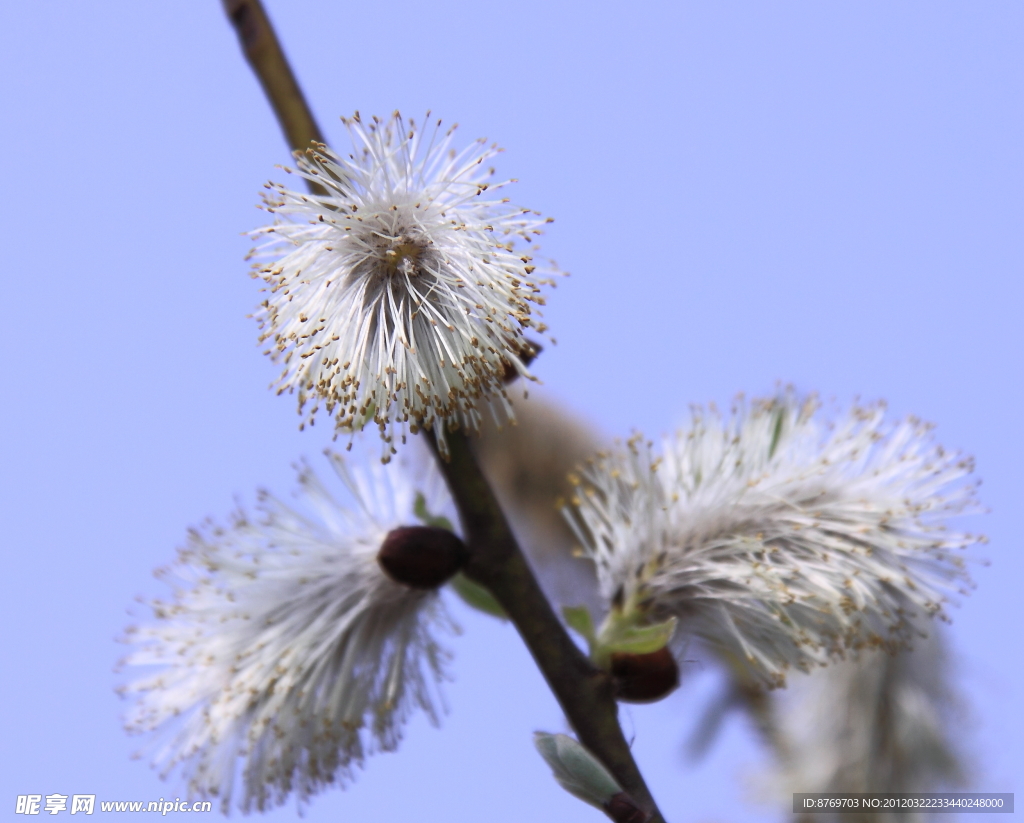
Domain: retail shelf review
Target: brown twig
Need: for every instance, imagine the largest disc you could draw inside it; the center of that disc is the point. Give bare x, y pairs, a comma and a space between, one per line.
266, 57
496, 562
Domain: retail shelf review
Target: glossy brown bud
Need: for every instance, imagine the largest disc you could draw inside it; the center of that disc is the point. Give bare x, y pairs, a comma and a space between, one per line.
644, 678
421, 557
622, 809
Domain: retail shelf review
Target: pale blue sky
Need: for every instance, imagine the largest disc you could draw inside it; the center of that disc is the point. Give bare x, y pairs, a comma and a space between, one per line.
828, 194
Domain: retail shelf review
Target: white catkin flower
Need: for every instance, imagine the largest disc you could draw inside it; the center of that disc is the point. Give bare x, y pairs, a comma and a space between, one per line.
399, 291
286, 646
782, 539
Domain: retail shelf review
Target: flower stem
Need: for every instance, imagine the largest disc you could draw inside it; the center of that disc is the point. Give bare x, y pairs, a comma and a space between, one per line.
496, 562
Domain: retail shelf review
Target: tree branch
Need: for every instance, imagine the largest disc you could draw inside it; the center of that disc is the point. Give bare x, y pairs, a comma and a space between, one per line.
266, 57
496, 562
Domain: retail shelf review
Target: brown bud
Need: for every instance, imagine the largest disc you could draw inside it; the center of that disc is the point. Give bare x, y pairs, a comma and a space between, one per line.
622, 809
527, 355
421, 557
644, 678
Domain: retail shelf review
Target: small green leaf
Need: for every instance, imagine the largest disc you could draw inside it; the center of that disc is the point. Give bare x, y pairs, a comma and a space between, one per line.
579, 620
419, 509
639, 639
477, 596
576, 769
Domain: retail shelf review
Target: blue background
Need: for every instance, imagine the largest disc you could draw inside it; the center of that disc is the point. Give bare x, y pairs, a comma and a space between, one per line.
745, 192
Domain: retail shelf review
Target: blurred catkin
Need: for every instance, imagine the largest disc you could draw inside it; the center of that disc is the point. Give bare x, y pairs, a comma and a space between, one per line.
879, 723
527, 464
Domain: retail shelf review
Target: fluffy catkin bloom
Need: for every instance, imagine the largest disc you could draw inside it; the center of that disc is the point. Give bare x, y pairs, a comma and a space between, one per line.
400, 292
780, 538
285, 645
